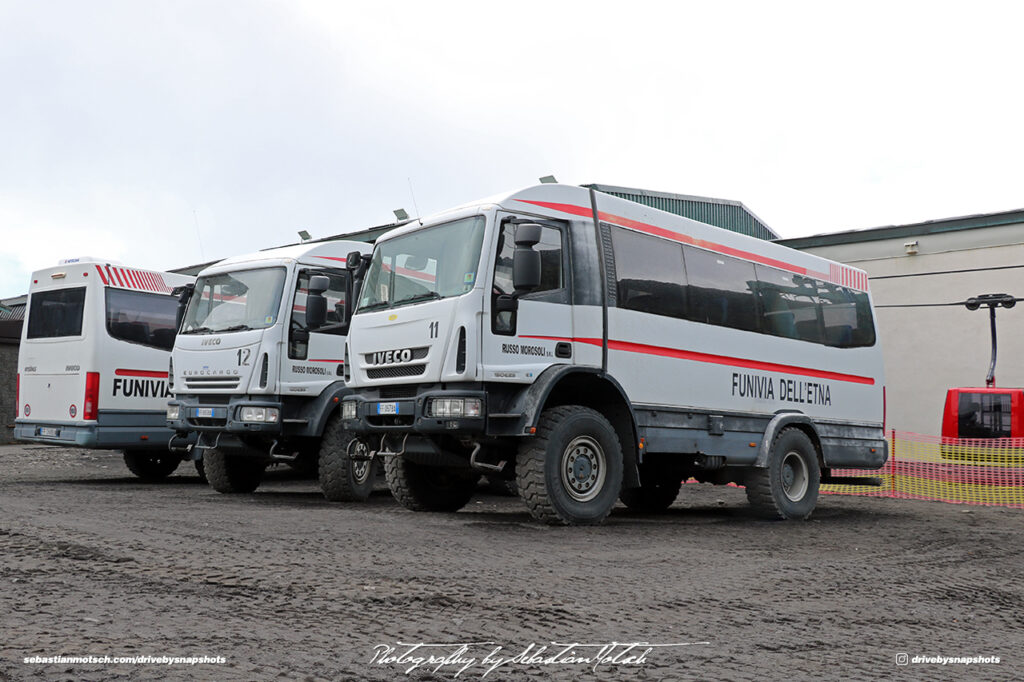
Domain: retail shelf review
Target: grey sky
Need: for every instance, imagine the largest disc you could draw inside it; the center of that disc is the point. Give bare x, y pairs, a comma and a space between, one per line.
169, 133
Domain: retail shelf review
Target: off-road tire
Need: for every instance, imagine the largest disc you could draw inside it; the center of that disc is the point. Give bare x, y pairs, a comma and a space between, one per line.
419, 487
151, 466
343, 479
651, 498
582, 494
232, 474
788, 487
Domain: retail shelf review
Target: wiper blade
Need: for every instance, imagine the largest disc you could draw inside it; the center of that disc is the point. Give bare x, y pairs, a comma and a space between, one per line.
197, 330
237, 327
374, 306
426, 296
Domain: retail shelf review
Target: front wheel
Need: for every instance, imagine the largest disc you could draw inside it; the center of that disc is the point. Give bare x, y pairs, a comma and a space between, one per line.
232, 474
151, 466
788, 487
342, 478
570, 473
429, 488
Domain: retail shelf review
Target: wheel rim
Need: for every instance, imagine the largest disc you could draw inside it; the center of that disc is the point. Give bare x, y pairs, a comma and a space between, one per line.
795, 477
583, 468
360, 467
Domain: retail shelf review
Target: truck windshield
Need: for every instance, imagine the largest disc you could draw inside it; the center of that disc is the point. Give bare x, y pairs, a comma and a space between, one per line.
235, 301
436, 262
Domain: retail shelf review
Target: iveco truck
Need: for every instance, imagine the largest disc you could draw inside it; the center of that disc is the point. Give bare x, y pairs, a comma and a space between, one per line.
257, 367
595, 349
92, 365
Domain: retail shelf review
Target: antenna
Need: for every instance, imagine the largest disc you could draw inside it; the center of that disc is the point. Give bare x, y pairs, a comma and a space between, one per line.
417, 208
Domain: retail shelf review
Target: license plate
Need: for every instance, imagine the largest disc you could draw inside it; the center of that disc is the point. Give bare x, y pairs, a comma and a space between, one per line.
48, 431
387, 408
204, 412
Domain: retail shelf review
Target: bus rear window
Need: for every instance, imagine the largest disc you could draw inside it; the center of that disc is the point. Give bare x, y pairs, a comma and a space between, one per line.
54, 314
138, 317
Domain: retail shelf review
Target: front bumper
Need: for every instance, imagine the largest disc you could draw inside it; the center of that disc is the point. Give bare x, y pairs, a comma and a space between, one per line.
377, 413
205, 416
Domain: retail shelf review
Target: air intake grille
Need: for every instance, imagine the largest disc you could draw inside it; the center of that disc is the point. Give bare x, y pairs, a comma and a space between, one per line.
396, 372
211, 382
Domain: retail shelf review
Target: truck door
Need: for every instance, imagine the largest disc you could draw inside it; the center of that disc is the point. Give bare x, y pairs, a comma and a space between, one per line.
315, 356
520, 344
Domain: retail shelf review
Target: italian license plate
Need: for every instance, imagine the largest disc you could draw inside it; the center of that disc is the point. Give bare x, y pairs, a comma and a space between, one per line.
48, 431
387, 408
204, 412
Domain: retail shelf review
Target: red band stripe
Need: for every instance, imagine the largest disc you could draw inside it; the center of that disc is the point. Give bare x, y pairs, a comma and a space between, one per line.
695, 356
147, 373
832, 276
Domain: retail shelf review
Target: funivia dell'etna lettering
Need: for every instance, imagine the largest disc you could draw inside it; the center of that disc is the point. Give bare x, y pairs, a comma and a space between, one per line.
788, 390
141, 388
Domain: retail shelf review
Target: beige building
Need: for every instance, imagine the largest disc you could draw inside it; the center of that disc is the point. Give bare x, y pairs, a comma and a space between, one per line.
930, 348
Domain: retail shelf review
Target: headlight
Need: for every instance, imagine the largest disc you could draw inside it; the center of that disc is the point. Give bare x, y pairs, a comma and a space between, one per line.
258, 414
455, 407
348, 410
173, 411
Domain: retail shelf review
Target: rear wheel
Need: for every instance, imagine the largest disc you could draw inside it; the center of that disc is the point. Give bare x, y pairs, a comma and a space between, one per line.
342, 478
429, 488
788, 487
151, 466
232, 474
570, 473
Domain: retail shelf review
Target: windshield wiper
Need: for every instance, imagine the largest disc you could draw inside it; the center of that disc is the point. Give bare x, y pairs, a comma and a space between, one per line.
237, 328
198, 330
425, 296
374, 306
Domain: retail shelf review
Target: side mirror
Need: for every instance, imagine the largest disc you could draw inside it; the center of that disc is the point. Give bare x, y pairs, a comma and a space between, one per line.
316, 303
319, 284
528, 234
354, 260
184, 294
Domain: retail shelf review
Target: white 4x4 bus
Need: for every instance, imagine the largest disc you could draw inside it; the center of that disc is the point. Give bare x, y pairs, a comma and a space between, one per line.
257, 367
595, 349
92, 366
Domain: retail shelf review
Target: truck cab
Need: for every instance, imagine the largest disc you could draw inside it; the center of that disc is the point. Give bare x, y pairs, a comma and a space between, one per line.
257, 367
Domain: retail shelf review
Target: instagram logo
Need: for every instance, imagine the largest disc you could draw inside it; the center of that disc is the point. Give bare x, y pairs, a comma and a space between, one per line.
902, 659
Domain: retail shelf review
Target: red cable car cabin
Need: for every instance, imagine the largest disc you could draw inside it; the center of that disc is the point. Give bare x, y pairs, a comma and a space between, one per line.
987, 413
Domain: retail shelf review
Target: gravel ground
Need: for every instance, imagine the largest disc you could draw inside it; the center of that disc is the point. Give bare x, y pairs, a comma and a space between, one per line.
283, 585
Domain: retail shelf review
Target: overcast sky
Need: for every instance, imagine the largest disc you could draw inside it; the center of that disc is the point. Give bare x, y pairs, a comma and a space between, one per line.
164, 134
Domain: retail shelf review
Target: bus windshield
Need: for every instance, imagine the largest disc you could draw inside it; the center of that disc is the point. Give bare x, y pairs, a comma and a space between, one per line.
235, 301
433, 263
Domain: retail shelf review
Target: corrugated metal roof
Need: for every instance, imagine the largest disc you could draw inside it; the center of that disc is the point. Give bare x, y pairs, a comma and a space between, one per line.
724, 213
13, 308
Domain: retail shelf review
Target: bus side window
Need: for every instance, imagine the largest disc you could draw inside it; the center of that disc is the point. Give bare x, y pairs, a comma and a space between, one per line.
141, 317
649, 274
720, 290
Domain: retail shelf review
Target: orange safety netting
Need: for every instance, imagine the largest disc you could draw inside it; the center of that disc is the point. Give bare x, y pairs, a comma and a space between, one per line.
962, 471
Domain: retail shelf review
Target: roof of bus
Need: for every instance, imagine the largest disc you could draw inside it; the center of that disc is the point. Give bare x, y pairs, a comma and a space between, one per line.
334, 251
570, 200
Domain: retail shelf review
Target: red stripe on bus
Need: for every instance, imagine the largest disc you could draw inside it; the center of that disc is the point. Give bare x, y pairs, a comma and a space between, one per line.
102, 276
149, 374
686, 239
745, 363
340, 260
